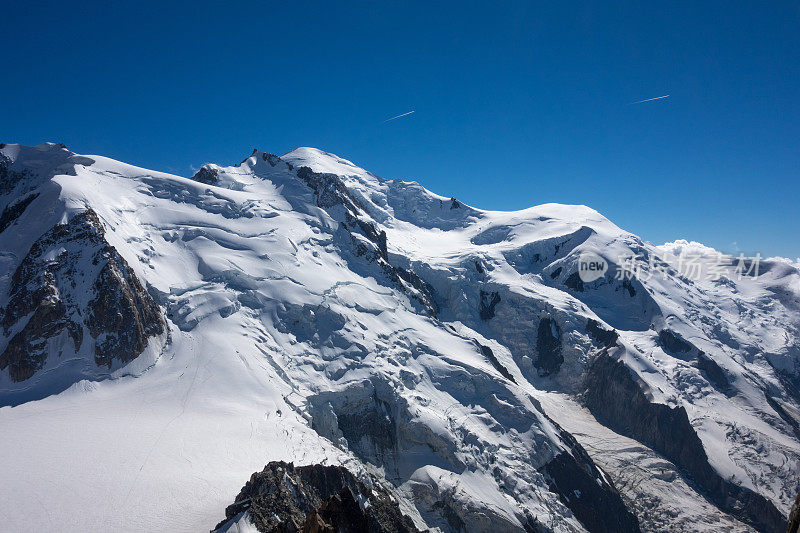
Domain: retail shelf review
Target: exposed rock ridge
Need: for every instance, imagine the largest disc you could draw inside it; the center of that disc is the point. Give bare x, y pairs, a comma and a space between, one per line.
207, 175
50, 288
331, 194
618, 401
586, 489
316, 498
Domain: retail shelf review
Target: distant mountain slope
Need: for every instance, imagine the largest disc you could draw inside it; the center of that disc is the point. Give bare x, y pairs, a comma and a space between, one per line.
165, 337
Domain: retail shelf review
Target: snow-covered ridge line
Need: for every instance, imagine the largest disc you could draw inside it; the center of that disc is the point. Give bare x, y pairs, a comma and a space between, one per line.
314, 312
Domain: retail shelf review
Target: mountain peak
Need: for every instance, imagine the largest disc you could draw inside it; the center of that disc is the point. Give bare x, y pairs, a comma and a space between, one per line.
322, 162
301, 309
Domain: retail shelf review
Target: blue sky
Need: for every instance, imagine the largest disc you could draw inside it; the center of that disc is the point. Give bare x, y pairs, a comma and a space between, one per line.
516, 104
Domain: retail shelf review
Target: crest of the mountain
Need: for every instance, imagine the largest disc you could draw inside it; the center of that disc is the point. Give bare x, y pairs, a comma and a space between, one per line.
428, 363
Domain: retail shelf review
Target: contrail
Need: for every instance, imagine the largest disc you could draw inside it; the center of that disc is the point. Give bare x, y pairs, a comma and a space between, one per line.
398, 116
650, 99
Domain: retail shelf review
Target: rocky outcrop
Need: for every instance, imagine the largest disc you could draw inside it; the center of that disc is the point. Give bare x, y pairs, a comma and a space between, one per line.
27, 351
548, 347
674, 343
273, 160
6, 175
72, 281
605, 337
13, 211
122, 315
713, 373
207, 175
794, 517
583, 488
316, 499
369, 242
619, 402
489, 353
488, 302
329, 190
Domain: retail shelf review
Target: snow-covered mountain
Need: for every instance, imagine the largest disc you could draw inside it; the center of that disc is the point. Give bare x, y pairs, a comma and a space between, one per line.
165, 337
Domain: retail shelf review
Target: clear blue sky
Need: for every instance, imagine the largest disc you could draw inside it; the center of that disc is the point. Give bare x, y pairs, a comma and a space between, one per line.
516, 103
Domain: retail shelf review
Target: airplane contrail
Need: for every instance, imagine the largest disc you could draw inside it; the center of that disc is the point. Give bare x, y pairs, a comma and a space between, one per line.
650, 99
398, 116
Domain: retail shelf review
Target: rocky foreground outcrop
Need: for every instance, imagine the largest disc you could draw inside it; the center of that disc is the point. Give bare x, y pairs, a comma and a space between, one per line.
314, 499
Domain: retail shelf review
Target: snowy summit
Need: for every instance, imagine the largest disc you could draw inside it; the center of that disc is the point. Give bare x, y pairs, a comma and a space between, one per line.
375, 353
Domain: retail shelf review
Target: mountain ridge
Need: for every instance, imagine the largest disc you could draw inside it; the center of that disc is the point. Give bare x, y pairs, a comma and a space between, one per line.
335, 296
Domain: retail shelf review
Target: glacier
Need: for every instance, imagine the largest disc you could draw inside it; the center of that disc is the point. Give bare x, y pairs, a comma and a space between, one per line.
164, 337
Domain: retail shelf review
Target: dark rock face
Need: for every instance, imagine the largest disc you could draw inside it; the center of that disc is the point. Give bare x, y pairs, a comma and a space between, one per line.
606, 338
6, 177
794, 517
316, 499
207, 175
582, 487
26, 352
331, 194
420, 289
272, 159
489, 354
673, 343
368, 230
713, 373
488, 302
371, 430
628, 286
13, 179
329, 191
574, 282
618, 401
789, 419
120, 314
548, 347
12, 212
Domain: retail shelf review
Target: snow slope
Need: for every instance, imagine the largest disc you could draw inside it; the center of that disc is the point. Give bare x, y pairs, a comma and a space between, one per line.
315, 312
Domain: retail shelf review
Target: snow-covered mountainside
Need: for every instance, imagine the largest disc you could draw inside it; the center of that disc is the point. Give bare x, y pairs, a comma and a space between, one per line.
163, 338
